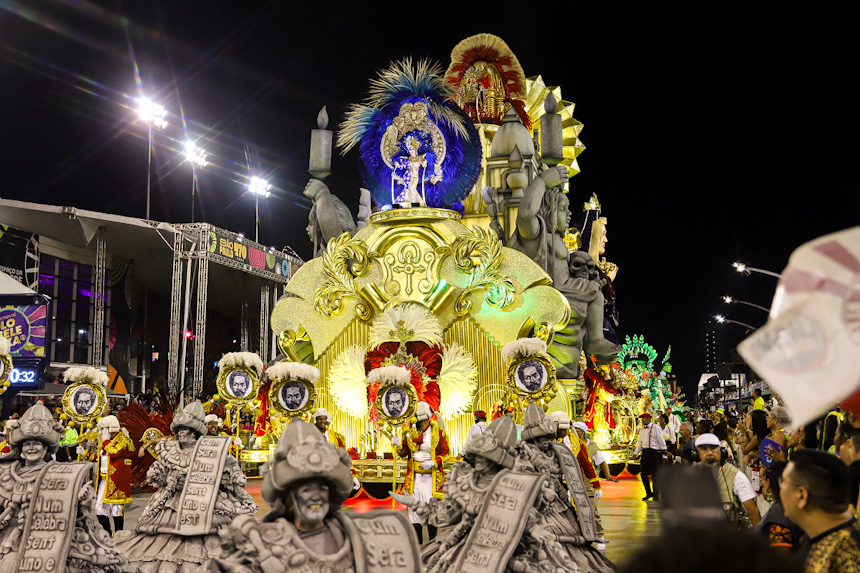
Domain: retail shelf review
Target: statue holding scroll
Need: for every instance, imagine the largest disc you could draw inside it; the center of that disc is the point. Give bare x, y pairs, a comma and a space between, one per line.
201, 489
542, 219
305, 484
568, 514
47, 515
491, 519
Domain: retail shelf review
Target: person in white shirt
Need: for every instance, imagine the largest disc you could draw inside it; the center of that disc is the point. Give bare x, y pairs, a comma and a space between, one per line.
669, 435
476, 430
675, 422
652, 447
735, 488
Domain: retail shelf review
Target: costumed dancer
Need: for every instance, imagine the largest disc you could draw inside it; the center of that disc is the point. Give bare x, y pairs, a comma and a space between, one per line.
82, 545
569, 513
306, 483
174, 537
322, 419
215, 427
425, 447
115, 456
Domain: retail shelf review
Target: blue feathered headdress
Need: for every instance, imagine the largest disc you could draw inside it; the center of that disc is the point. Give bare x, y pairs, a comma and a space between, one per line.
414, 105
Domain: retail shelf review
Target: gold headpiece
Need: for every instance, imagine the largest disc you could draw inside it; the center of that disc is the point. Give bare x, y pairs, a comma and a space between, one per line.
593, 204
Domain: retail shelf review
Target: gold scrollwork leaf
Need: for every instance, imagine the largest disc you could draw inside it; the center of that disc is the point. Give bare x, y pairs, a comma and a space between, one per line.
344, 259
479, 253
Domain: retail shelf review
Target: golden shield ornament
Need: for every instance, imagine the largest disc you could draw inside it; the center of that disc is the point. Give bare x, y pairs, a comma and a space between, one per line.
238, 385
395, 403
292, 397
84, 401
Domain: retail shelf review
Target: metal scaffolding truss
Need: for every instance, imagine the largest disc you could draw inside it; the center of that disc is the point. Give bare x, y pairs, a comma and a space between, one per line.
196, 246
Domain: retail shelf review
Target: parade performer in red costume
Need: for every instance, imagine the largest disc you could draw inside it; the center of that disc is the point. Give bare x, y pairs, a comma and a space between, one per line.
425, 447
114, 476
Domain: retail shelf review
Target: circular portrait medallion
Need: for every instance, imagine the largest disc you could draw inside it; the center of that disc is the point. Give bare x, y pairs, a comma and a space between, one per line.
83, 401
531, 375
239, 383
292, 397
395, 401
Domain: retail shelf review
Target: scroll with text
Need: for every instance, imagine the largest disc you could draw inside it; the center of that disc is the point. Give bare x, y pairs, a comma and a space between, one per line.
578, 492
197, 502
51, 517
500, 523
387, 538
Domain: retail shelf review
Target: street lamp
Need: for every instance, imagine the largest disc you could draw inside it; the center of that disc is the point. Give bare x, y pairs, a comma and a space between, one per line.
730, 300
197, 158
153, 115
260, 188
742, 268
722, 319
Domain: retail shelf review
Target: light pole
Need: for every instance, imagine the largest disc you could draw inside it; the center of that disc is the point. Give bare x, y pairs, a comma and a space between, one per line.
730, 300
153, 115
260, 188
742, 268
197, 158
722, 319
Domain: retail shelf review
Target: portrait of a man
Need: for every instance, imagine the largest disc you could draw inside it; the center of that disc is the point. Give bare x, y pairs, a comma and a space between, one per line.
531, 375
395, 402
84, 401
239, 383
293, 395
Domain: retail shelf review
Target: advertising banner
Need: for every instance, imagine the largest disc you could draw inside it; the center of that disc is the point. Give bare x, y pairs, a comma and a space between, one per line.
227, 248
24, 327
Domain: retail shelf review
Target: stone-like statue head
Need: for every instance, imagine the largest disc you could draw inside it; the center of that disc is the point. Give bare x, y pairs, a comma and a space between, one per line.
496, 444
555, 210
189, 424
539, 429
307, 479
582, 266
36, 437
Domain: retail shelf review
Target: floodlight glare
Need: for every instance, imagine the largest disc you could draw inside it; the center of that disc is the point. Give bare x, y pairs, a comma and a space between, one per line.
720, 318
259, 186
194, 155
151, 113
728, 299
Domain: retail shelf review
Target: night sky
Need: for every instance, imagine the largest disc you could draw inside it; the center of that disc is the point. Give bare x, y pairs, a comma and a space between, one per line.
714, 133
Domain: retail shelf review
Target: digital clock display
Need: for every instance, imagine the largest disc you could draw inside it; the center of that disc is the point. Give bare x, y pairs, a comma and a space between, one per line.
23, 376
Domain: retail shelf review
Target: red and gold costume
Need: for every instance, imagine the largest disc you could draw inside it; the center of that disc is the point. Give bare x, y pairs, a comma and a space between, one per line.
412, 442
335, 439
120, 451
580, 450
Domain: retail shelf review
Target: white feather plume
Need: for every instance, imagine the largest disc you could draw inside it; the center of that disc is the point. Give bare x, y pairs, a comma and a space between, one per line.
92, 374
293, 371
347, 382
457, 381
396, 374
523, 347
241, 360
4, 346
424, 325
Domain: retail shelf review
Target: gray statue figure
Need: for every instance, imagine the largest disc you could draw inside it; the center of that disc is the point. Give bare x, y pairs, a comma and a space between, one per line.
330, 217
201, 488
47, 508
305, 483
492, 518
542, 219
568, 515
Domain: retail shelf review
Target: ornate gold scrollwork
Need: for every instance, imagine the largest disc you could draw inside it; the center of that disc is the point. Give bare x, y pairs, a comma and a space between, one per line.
344, 259
479, 253
287, 339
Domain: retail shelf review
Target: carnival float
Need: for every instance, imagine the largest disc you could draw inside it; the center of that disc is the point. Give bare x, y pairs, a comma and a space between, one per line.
464, 243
